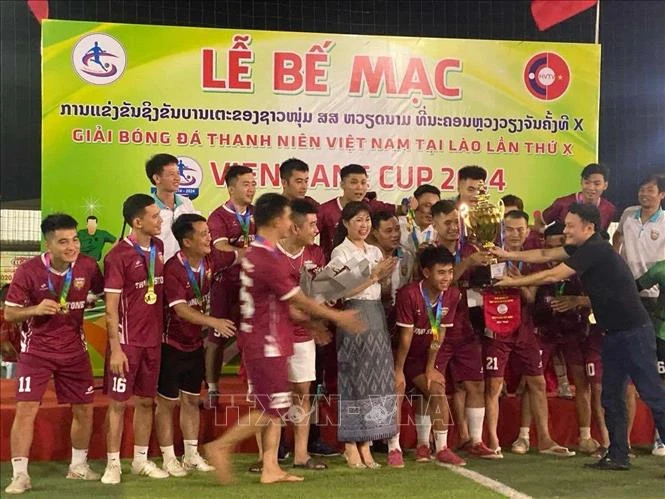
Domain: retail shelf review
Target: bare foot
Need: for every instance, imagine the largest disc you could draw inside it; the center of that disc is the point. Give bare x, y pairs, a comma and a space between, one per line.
279, 478
220, 458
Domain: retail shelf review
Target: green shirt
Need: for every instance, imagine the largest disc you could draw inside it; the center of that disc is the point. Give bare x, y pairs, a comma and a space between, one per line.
656, 275
92, 245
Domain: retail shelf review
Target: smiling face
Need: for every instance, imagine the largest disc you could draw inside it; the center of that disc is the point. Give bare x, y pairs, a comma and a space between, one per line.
243, 189
593, 187
388, 234
649, 196
169, 179
439, 276
63, 245
447, 226
515, 232
577, 231
198, 242
150, 221
424, 211
359, 226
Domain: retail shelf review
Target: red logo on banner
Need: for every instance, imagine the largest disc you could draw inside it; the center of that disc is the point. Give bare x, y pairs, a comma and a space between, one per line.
547, 76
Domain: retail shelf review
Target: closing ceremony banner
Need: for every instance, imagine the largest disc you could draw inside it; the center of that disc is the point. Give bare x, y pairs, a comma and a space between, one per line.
411, 110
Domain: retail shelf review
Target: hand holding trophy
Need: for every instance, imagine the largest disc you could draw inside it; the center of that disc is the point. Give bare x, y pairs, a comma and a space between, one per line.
484, 221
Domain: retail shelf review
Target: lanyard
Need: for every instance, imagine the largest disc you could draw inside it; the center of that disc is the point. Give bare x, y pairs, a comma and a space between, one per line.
192, 278
244, 220
62, 298
150, 296
433, 313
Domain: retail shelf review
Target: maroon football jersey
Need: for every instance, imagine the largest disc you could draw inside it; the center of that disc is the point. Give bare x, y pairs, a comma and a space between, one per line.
266, 286
179, 333
559, 209
61, 335
126, 273
312, 260
410, 311
224, 225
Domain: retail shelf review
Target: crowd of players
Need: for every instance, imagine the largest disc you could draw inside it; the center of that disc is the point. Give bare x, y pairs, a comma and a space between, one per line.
179, 286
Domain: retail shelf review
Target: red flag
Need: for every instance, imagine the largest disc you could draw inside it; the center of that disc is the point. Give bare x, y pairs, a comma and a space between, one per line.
547, 13
39, 8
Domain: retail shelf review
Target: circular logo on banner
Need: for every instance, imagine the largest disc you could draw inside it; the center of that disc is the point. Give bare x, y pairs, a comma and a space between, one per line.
191, 176
502, 309
99, 59
547, 76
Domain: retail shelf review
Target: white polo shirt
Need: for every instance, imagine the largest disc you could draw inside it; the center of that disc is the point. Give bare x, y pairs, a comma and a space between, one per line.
409, 235
182, 205
643, 243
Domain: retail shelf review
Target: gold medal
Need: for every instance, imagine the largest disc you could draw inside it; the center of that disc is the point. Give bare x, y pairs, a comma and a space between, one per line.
150, 298
435, 345
592, 318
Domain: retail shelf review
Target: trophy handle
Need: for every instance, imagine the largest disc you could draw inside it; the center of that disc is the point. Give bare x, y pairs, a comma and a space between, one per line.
502, 209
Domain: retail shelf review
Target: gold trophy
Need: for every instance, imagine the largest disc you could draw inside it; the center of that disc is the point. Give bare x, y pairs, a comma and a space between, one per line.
484, 221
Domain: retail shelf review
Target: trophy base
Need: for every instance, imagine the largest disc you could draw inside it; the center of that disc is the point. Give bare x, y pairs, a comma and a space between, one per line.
486, 277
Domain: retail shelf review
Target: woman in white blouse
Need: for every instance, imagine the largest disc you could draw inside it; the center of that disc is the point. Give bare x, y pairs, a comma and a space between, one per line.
365, 363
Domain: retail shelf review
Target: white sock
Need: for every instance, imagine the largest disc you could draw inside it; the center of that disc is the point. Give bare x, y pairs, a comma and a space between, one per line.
112, 457
475, 417
440, 440
524, 432
393, 443
19, 465
191, 448
168, 453
140, 453
79, 456
585, 432
212, 387
423, 428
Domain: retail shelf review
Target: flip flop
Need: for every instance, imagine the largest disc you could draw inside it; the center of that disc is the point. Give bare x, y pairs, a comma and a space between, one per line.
311, 464
286, 478
558, 451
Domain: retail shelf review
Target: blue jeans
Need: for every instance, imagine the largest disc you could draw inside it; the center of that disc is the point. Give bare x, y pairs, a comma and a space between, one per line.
630, 354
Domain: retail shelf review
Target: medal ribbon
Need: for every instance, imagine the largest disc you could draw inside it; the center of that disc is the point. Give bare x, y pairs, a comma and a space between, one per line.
192, 278
244, 221
62, 298
433, 313
151, 264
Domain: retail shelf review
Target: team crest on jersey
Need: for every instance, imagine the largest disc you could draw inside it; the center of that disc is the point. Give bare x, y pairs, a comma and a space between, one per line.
444, 311
654, 235
208, 274
79, 282
160, 255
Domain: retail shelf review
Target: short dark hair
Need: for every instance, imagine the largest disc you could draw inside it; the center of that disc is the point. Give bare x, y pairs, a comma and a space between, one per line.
426, 189
352, 169
593, 168
443, 207
183, 226
234, 172
554, 229
156, 164
349, 211
300, 208
381, 216
512, 200
517, 214
473, 172
287, 168
587, 212
134, 206
91, 217
57, 221
269, 207
433, 255
659, 180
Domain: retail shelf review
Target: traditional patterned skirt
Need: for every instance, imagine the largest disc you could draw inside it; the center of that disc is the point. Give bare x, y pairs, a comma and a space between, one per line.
365, 377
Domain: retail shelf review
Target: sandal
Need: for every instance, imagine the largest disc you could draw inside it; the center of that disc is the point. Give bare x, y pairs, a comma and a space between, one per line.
558, 451
257, 467
311, 464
